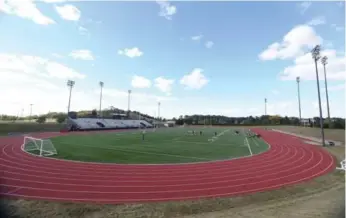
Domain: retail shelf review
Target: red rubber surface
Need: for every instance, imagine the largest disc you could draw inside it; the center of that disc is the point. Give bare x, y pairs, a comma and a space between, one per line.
288, 161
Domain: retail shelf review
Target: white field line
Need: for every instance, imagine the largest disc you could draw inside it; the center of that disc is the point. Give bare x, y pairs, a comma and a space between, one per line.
214, 138
255, 142
247, 142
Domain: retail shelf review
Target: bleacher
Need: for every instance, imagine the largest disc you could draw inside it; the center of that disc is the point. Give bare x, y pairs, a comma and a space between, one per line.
100, 124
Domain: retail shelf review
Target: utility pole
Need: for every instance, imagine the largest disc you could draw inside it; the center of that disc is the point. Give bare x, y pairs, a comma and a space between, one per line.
316, 56
300, 111
70, 84
101, 85
324, 62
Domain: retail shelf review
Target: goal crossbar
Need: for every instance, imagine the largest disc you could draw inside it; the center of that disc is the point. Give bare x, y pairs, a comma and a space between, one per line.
45, 147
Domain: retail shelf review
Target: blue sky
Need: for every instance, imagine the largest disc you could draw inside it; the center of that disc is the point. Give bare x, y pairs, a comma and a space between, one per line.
193, 57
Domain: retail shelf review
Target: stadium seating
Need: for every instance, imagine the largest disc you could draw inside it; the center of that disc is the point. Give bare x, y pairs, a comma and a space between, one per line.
99, 123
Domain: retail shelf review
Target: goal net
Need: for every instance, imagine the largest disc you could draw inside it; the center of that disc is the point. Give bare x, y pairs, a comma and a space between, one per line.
42, 147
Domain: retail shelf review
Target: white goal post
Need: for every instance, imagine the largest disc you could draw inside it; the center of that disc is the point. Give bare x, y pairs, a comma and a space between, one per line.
45, 147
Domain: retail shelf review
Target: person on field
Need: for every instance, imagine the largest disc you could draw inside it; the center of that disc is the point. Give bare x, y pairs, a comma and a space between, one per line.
143, 135
200, 132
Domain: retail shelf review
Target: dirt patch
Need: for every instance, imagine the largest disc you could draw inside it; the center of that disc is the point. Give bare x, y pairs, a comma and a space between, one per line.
321, 197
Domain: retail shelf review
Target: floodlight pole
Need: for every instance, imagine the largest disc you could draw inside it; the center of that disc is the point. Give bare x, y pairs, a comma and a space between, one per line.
101, 85
31, 112
300, 111
128, 101
316, 56
324, 62
70, 84
158, 110
265, 106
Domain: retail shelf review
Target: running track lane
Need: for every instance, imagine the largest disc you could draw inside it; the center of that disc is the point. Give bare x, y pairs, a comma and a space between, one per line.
288, 161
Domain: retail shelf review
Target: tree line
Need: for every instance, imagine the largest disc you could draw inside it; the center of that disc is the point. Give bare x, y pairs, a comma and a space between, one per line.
336, 122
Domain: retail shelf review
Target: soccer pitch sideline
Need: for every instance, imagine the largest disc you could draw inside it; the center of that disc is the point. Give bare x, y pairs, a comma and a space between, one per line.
162, 146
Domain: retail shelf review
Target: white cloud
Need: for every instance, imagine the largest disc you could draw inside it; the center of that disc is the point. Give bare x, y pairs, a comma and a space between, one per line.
317, 21
209, 44
304, 6
294, 43
304, 67
165, 85
140, 82
68, 12
30, 79
34, 80
197, 37
25, 9
166, 9
82, 54
131, 52
194, 80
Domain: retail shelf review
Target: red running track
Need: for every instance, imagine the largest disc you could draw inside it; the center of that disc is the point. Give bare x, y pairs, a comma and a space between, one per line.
288, 161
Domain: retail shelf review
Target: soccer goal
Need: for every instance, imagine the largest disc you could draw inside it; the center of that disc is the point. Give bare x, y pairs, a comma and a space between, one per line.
42, 147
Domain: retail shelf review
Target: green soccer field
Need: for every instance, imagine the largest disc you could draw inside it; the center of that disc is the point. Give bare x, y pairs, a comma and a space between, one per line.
166, 145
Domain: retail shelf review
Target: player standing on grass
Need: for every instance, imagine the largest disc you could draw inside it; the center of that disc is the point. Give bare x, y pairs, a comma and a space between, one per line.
143, 134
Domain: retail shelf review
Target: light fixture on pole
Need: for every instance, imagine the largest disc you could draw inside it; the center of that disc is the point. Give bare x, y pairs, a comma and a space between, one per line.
128, 101
300, 111
101, 85
70, 84
316, 56
324, 62
265, 106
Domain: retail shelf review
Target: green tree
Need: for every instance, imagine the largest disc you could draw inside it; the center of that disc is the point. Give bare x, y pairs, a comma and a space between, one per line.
60, 118
41, 119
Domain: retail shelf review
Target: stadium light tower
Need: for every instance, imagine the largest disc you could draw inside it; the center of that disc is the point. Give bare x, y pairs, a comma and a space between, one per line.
324, 62
31, 111
265, 106
128, 100
101, 85
316, 56
300, 111
158, 110
70, 84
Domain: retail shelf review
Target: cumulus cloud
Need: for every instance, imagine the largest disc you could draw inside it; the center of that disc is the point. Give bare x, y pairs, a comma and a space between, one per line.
140, 82
194, 80
164, 85
68, 12
294, 43
304, 67
25, 9
131, 52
